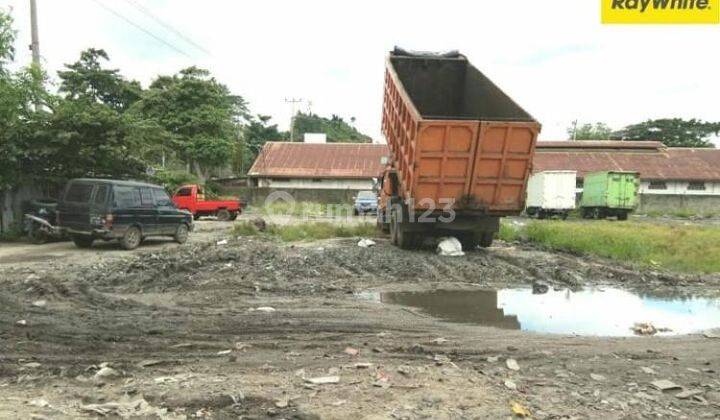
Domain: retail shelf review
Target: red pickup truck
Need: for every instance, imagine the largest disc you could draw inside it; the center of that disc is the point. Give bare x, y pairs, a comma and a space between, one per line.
192, 199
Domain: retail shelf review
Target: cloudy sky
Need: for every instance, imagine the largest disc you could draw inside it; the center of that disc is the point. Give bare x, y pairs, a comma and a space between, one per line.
553, 57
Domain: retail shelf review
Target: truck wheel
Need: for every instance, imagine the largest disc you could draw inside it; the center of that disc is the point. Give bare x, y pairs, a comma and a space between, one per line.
233, 215
564, 215
196, 216
405, 239
223, 215
541, 214
131, 239
181, 233
486, 239
83, 241
623, 215
469, 240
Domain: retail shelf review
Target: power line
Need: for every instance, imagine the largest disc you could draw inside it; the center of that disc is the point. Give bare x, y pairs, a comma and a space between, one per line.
166, 25
147, 32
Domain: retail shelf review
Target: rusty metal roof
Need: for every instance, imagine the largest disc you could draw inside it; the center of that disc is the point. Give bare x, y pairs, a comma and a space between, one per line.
601, 144
661, 164
324, 160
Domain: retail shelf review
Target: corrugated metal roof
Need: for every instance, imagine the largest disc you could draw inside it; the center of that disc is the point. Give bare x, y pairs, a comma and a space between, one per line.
665, 164
600, 144
328, 160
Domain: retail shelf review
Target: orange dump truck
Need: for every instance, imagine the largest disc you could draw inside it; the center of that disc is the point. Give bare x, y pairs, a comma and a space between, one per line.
460, 151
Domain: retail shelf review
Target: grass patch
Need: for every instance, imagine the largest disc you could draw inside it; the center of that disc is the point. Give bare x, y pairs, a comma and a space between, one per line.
307, 231
302, 208
682, 214
692, 249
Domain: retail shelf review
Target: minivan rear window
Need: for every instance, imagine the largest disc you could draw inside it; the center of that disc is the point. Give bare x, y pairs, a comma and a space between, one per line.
79, 192
127, 197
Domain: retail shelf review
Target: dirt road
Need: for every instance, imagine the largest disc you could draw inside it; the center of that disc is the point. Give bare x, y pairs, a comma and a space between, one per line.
247, 328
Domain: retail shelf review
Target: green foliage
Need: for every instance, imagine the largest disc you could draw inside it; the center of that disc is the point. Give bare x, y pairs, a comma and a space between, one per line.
171, 180
86, 79
673, 132
7, 40
336, 129
308, 231
597, 131
255, 134
673, 247
200, 114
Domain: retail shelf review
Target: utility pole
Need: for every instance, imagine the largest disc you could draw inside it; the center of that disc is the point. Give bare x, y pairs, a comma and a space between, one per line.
292, 102
35, 46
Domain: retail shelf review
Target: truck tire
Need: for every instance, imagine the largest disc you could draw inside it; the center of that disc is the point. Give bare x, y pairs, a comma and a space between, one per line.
405, 239
541, 214
83, 241
131, 239
223, 215
233, 215
196, 216
486, 239
181, 233
622, 215
469, 240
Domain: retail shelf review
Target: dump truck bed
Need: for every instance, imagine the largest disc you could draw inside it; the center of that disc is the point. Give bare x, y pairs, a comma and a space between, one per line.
454, 136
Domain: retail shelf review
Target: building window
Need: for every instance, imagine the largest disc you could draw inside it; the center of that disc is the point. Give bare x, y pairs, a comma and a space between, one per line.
696, 186
657, 185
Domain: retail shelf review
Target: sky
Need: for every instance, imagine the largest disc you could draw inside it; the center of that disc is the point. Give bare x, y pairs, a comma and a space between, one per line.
553, 57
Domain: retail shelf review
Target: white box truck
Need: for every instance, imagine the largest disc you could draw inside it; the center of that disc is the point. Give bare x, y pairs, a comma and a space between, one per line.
551, 193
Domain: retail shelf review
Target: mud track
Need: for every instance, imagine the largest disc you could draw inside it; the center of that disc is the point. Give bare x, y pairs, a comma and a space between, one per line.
181, 329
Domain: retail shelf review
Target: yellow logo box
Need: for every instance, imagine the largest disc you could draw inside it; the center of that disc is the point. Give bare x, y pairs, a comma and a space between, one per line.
661, 11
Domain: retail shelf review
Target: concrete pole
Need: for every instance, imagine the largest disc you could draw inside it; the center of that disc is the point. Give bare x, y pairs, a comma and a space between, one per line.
35, 46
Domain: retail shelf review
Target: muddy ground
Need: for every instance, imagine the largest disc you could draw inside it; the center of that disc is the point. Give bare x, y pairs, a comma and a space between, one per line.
241, 329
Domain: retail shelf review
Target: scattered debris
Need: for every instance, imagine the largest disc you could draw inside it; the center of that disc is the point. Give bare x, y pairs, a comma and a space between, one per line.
126, 408
440, 340
351, 351
714, 333
222, 242
688, 393
22, 323
520, 410
32, 365
366, 243
259, 224
510, 385
40, 303
39, 402
597, 377
107, 372
493, 359
224, 352
266, 309
665, 385
539, 288
450, 247
512, 364
649, 371
363, 365
324, 380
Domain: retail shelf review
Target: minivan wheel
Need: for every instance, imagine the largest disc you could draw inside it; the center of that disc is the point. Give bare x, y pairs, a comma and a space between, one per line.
181, 233
82, 241
131, 239
223, 215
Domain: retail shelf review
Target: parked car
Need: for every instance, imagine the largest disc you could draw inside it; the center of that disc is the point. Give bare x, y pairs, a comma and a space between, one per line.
192, 198
106, 209
365, 202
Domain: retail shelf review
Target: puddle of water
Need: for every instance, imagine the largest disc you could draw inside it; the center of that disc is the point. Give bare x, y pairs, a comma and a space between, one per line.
600, 312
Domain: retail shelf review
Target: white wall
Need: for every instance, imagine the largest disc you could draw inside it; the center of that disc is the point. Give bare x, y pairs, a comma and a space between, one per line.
323, 183
680, 188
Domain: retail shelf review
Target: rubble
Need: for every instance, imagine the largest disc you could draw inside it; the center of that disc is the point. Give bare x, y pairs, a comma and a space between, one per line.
450, 247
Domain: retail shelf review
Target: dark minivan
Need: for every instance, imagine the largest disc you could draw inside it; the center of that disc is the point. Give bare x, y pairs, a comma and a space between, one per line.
128, 211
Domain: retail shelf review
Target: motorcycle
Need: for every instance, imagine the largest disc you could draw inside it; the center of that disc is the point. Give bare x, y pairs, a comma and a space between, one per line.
40, 218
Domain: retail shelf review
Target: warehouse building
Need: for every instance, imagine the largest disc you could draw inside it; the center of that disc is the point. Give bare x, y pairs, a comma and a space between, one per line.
672, 179
324, 172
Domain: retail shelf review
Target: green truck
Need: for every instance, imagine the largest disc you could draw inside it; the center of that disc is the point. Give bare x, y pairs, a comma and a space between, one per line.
608, 194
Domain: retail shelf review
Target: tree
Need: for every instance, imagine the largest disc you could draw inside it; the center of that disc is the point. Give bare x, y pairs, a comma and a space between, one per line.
86, 79
200, 115
336, 129
255, 134
597, 131
673, 132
